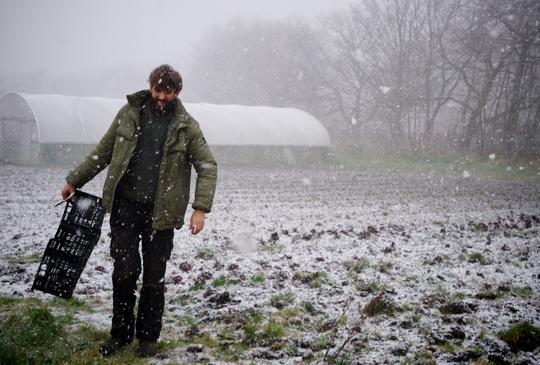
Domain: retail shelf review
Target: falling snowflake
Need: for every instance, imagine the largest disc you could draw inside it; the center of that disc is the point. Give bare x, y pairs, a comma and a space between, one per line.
492, 156
494, 33
354, 121
384, 89
466, 174
84, 204
244, 242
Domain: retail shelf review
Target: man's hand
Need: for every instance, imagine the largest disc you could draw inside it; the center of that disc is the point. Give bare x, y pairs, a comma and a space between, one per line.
67, 190
197, 221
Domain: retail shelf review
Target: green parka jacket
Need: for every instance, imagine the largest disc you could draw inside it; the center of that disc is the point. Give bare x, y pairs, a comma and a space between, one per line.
184, 146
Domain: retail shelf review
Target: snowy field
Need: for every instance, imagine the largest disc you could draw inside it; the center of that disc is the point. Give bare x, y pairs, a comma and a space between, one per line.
289, 257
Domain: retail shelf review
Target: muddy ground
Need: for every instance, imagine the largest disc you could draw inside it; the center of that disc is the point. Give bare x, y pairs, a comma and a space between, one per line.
290, 258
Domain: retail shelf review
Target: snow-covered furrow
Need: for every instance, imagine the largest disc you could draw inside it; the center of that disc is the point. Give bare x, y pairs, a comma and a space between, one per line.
326, 236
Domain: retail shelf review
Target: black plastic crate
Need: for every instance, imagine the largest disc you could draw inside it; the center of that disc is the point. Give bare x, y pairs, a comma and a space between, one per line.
67, 253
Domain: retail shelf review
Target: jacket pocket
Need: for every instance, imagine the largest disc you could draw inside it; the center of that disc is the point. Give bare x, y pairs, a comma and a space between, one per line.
125, 137
178, 144
124, 133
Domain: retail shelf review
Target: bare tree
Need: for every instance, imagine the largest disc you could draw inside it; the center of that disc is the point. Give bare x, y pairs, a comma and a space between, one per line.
388, 70
521, 21
492, 46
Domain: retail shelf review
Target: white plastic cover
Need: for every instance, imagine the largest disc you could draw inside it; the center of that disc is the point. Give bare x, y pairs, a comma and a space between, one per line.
84, 120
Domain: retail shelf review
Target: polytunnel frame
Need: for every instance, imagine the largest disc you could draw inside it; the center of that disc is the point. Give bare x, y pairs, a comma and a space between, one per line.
229, 129
227, 125
38, 129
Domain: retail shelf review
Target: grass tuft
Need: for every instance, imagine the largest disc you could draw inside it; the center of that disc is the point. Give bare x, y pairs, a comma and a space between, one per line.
258, 278
31, 334
521, 337
282, 300
219, 281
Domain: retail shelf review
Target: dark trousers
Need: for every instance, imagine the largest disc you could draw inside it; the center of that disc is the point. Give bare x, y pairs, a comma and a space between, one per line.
131, 223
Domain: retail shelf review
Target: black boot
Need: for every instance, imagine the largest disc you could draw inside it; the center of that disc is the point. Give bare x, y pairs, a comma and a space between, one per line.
112, 346
147, 348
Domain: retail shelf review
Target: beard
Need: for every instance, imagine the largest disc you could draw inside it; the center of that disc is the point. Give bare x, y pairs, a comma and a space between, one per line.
166, 106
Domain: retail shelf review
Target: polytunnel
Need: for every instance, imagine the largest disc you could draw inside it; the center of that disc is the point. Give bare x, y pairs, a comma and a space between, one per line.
34, 128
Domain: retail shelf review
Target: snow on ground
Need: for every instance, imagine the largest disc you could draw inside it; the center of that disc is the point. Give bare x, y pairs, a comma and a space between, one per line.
458, 260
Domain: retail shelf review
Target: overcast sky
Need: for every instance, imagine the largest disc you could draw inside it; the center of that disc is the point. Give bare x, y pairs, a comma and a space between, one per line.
86, 36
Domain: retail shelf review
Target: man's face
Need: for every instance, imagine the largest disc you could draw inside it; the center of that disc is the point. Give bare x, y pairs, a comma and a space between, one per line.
162, 96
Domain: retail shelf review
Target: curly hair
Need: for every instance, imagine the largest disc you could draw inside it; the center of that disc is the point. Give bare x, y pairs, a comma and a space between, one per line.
165, 77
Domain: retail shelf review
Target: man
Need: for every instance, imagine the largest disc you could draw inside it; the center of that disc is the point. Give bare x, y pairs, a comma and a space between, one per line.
149, 148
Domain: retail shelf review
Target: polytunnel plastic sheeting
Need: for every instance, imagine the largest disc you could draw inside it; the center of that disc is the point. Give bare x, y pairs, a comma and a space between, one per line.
258, 125
84, 120
71, 119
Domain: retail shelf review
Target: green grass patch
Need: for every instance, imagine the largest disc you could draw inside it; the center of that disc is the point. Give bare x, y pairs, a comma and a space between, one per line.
232, 352
290, 312
197, 286
525, 292
273, 248
28, 259
341, 359
482, 335
258, 278
187, 320
257, 330
219, 281
168, 345
31, 334
370, 287
386, 267
205, 253
34, 336
407, 308
206, 340
424, 357
309, 307
356, 266
250, 332
386, 307
477, 257
252, 327
458, 296
445, 165
71, 304
183, 299
273, 330
482, 361
282, 300
14, 304
227, 333
448, 347
313, 279
321, 343
521, 337
257, 318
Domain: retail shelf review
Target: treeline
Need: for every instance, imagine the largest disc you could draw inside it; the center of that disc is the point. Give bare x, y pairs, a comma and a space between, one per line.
401, 75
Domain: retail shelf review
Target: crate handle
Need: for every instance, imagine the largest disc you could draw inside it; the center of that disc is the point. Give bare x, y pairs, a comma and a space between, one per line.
66, 199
